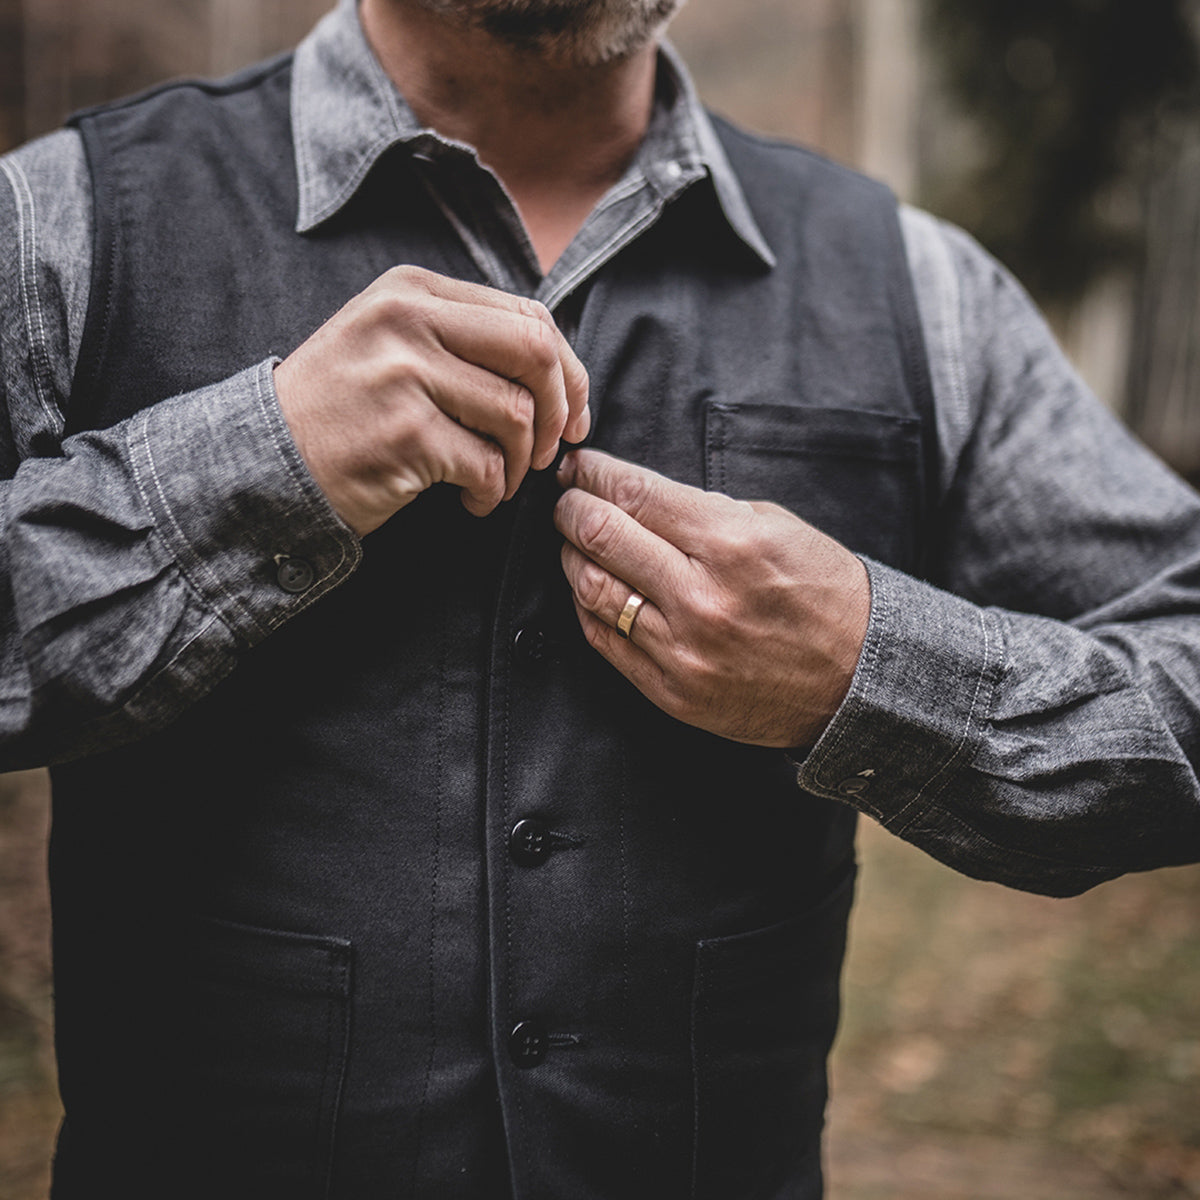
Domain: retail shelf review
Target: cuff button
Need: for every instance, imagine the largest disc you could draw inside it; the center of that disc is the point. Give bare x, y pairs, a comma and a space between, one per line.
294, 575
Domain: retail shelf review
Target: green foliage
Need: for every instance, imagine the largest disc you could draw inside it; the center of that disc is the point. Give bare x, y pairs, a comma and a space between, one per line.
1063, 98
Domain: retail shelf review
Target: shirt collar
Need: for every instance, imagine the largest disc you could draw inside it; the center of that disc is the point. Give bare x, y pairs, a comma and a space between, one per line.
346, 113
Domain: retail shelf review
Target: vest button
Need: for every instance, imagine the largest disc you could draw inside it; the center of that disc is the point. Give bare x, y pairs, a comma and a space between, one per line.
294, 575
529, 645
527, 1043
529, 842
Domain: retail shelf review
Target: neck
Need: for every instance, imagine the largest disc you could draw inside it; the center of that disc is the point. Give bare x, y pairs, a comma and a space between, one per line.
557, 134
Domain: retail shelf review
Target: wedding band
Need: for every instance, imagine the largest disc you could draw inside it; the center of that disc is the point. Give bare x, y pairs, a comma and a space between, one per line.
629, 614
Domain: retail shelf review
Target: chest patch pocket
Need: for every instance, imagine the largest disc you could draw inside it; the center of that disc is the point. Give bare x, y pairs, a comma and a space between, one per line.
854, 474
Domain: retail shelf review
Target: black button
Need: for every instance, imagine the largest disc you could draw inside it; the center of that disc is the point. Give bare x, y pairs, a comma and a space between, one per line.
527, 1043
294, 575
529, 842
529, 644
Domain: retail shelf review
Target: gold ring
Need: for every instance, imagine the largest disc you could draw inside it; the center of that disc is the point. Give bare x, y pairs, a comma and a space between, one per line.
629, 614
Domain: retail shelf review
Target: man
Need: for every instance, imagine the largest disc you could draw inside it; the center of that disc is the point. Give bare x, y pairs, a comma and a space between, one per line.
435, 820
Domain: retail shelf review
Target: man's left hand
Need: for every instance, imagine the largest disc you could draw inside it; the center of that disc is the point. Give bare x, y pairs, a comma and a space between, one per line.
753, 619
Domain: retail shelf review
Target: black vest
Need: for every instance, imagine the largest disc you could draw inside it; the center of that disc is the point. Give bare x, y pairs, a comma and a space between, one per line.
300, 952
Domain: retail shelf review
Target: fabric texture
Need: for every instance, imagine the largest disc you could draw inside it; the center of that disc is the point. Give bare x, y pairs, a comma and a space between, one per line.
363, 772
346, 917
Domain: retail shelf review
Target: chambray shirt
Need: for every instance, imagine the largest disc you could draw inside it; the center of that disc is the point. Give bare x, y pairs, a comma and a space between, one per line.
1031, 715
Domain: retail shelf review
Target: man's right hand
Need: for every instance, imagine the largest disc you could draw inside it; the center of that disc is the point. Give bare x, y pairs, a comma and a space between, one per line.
422, 379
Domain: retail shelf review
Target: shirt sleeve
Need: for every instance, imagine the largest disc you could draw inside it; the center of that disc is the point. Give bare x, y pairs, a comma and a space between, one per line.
1032, 713
138, 563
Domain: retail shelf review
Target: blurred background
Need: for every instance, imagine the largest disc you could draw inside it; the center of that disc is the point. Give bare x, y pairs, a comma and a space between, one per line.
995, 1045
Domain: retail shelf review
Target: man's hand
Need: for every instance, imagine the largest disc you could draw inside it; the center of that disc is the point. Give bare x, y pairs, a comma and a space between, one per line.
422, 379
753, 620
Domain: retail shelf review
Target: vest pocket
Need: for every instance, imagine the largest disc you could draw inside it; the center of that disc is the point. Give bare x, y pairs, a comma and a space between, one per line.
854, 474
764, 1013
266, 1052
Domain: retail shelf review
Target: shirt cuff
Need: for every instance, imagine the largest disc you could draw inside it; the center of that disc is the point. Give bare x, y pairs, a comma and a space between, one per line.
917, 705
236, 505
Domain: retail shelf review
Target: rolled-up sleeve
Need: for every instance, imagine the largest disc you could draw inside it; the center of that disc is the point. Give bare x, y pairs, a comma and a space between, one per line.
1031, 713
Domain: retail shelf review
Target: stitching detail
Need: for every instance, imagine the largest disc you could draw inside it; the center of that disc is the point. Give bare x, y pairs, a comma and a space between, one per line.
304, 481
952, 323
516, 1088
440, 760
339, 1003
608, 250
861, 685
897, 823
718, 436
308, 486
320, 1126
300, 138
31, 304
197, 563
623, 850
698, 992
620, 192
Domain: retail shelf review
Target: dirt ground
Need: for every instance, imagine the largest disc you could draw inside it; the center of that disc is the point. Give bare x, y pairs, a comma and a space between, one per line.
1001, 1046
995, 1046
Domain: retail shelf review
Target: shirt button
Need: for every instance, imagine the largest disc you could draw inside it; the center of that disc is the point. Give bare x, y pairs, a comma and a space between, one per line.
529, 645
294, 575
527, 1043
529, 842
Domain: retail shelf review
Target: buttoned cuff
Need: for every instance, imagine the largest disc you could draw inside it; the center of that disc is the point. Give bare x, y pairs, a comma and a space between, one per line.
236, 505
917, 705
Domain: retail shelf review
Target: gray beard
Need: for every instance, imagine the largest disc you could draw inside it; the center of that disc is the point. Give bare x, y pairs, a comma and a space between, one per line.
580, 32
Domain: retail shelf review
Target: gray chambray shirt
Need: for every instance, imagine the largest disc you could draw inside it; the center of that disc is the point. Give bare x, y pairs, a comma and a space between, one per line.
1034, 718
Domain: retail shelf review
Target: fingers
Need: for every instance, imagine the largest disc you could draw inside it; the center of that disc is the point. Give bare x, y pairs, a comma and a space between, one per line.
513, 337
680, 515
619, 544
497, 410
473, 464
605, 596
638, 666
421, 379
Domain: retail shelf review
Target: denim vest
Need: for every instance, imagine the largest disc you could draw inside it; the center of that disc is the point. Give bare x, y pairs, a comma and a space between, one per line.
425, 900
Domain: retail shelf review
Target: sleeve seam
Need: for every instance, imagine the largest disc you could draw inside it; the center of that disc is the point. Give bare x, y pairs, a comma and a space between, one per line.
954, 339
191, 561
35, 328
